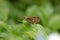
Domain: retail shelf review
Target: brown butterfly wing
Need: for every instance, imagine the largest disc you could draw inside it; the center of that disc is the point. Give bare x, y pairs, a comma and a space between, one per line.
32, 19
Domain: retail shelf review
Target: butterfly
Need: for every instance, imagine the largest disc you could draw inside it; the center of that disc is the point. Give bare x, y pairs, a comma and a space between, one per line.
31, 19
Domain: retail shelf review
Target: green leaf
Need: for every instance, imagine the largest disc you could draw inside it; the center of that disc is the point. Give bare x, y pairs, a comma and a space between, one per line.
54, 22
4, 10
35, 29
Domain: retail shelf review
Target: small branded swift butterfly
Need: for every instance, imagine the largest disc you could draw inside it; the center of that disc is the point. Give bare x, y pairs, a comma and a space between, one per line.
32, 19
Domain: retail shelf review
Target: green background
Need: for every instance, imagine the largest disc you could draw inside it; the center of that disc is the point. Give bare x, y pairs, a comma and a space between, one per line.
13, 26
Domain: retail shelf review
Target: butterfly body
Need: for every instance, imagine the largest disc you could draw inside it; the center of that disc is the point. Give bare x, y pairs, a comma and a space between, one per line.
32, 19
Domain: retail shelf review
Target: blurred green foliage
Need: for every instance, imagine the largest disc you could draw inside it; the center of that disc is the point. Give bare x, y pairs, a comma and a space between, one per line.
12, 26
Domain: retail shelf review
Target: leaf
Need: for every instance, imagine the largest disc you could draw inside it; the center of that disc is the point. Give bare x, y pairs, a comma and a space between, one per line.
4, 10
35, 29
54, 22
9, 28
